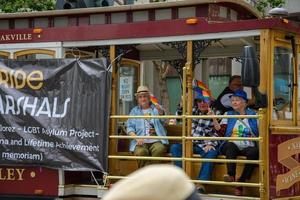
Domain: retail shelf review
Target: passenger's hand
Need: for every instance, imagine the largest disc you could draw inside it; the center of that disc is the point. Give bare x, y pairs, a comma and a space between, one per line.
159, 109
208, 148
210, 112
140, 141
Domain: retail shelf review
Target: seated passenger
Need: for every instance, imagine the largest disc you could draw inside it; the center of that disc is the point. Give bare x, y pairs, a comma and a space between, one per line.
239, 128
206, 148
223, 103
146, 127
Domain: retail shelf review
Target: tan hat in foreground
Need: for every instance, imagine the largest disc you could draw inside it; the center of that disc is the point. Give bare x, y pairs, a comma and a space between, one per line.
142, 89
154, 182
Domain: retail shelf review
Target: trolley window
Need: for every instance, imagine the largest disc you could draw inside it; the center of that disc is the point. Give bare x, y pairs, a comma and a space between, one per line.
283, 84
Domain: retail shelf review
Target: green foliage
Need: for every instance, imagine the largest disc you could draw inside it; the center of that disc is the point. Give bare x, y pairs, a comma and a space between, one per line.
26, 5
263, 4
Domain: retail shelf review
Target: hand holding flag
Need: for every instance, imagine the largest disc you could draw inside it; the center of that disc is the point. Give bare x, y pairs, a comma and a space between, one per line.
153, 99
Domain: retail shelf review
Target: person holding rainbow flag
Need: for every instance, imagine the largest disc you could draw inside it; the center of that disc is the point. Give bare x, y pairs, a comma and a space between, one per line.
201, 128
147, 105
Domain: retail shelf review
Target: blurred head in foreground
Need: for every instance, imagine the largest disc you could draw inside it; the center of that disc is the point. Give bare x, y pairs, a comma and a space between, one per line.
154, 182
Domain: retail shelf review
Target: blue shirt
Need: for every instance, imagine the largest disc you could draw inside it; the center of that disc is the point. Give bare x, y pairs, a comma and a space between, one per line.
138, 126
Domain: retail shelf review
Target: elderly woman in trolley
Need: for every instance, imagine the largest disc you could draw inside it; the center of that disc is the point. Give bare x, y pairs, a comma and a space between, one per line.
146, 127
236, 127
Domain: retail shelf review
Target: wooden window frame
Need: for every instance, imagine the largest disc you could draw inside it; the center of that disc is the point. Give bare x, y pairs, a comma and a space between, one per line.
5, 54
136, 65
133, 63
34, 51
296, 75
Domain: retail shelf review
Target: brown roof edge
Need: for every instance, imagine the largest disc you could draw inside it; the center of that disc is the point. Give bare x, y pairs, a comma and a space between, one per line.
95, 10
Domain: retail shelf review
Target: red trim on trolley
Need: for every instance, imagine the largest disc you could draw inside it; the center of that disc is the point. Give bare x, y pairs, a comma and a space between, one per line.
161, 28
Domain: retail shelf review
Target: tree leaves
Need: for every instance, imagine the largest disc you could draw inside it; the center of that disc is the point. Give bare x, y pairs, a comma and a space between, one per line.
262, 5
10, 6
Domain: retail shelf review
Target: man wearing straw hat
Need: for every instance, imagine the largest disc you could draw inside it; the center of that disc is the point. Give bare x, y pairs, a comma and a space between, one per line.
146, 127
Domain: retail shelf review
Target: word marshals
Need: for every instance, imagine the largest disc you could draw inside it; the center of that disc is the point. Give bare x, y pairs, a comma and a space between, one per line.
33, 106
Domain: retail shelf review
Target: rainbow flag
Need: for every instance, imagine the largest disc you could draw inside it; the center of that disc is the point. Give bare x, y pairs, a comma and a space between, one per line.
206, 93
153, 99
202, 90
200, 87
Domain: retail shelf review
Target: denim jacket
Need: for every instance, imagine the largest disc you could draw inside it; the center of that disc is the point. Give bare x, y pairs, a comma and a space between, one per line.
138, 125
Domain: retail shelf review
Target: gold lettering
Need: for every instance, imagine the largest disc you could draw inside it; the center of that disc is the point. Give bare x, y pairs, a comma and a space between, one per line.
295, 146
35, 76
4, 77
2, 176
286, 151
10, 174
7, 37
29, 36
19, 76
11, 78
20, 174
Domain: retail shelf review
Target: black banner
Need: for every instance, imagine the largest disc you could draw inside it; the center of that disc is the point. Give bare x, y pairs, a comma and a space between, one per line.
54, 113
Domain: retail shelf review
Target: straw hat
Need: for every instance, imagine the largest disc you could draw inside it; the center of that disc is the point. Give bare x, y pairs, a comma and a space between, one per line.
154, 182
142, 89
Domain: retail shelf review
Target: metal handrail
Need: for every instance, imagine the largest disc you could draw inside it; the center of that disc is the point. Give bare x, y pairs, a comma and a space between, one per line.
145, 137
232, 197
186, 159
145, 158
183, 116
228, 183
219, 160
185, 137
207, 182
